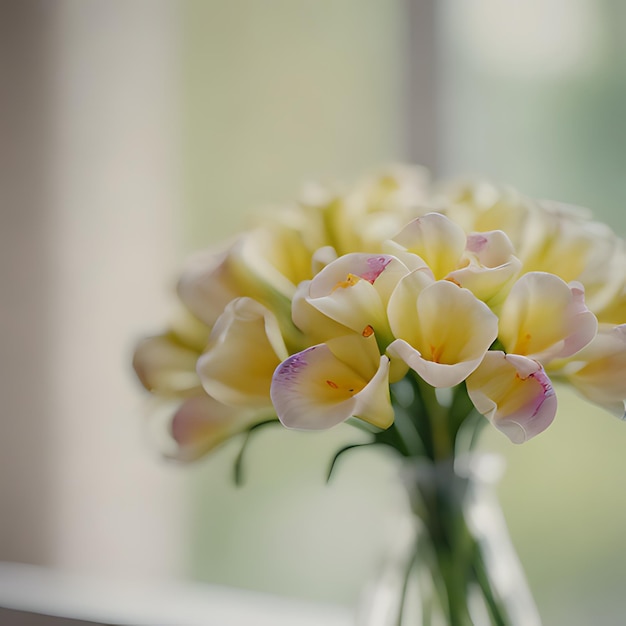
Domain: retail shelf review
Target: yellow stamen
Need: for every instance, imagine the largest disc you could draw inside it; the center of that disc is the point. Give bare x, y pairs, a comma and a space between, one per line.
350, 281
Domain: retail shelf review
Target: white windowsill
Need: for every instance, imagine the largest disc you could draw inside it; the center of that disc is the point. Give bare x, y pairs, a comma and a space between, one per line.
61, 594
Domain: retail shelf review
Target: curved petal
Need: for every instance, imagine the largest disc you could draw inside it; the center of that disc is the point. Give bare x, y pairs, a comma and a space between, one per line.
599, 370
315, 389
201, 423
165, 366
315, 325
207, 285
514, 393
436, 239
544, 318
435, 374
354, 290
444, 335
271, 259
244, 349
490, 266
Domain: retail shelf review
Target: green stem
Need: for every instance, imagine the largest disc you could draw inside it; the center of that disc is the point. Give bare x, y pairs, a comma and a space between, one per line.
442, 441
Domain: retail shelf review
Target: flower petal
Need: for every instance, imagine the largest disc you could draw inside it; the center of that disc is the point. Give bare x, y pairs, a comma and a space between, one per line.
165, 366
207, 285
514, 393
490, 266
201, 423
436, 239
599, 370
315, 325
354, 290
435, 374
444, 335
244, 349
315, 389
544, 318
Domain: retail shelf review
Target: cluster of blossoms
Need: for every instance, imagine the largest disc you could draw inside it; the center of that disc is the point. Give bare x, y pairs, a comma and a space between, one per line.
317, 313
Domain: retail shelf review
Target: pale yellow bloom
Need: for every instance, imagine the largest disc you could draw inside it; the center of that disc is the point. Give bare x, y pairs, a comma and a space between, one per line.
270, 261
354, 291
576, 248
326, 384
316, 326
167, 366
244, 349
484, 263
611, 308
544, 318
435, 239
361, 218
547, 236
598, 371
358, 285
488, 267
480, 206
183, 414
208, 283
442, 330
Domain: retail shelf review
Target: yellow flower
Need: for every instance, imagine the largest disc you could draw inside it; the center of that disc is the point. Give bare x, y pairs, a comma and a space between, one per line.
166, 366
354, 291
598, 371
544, 318
479, 206
328, 383
488, 267
442, 330
484, 263
182, 411
433, 238
208, 283
244, 349
361, 218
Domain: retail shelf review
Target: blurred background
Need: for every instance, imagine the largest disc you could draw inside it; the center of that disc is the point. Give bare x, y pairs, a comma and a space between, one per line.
136, 131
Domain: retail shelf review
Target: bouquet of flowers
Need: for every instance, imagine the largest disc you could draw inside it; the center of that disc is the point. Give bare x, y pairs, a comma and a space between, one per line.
416, 311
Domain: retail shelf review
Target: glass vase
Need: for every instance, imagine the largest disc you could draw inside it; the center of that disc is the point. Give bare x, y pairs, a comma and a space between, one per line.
451, 561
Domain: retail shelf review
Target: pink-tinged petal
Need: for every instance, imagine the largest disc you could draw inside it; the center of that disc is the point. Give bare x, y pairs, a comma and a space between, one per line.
200, 424
243, 351
316, 390
382, 271
354, 290
514, 393
545, 318
443, 332
165, 366
599, 371
490, 266
436, 239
